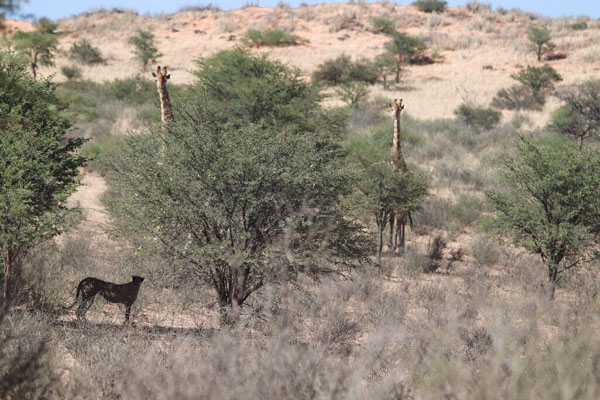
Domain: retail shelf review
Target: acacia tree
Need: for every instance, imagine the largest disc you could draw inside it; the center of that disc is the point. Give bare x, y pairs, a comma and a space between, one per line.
383, 190
243, 189
535, 84
84, 53
550, 205
579, 117
38, 47
540, 80
404, 47
541, 41
385, 64
38, 166
144, 49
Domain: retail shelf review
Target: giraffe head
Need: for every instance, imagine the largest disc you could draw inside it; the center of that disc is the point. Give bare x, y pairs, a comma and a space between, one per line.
161, 75
397, 106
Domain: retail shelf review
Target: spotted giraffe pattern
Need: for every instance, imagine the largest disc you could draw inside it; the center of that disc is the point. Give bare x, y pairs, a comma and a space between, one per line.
166, 111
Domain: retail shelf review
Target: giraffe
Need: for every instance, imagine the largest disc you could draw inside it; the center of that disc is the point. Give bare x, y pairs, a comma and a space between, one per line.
166, 111
398, 218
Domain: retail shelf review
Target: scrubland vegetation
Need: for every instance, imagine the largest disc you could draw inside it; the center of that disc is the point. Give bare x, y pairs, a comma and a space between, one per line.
255, 219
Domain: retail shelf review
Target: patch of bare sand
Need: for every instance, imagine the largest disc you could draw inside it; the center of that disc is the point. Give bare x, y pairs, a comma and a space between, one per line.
89, 196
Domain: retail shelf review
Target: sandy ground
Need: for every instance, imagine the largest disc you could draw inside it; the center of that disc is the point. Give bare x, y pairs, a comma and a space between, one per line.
479, 49
88, 198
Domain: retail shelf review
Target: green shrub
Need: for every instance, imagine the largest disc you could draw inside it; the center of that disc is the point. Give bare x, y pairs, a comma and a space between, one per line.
94, 150
137, 90
540, 80
363, 70
478, 117
243, 89
536, 83
271, 37
333, 71
466, 210
71, 72
383, 25
84, 53
352, 93
516, 98
430, 6
549, 204
343, 69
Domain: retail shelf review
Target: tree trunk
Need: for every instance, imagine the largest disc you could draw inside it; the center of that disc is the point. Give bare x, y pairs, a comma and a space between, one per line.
551, 289
34, 66
391, 244
384, 82
401, 229
7, 276
552, 281
380, 227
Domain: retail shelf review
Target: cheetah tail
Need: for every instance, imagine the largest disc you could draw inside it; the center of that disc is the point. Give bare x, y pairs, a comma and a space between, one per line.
76, 297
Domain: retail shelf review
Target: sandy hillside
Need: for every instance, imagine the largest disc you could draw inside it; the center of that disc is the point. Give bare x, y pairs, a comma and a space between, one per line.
480, 48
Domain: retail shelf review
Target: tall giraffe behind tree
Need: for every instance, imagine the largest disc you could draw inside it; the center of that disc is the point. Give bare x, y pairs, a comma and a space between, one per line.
166, 111
398, 218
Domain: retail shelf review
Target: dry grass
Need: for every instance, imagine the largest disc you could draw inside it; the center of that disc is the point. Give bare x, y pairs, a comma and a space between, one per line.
477, 330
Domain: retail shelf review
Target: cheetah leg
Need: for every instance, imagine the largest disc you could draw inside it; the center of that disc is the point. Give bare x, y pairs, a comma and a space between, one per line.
84, 307
127, 313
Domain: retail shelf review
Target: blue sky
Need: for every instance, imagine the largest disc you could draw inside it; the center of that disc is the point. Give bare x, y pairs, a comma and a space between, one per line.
56, 9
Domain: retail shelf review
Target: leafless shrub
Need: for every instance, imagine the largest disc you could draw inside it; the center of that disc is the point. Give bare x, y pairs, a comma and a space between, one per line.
346, 19
477, 341
386, 309
413, 262
283, 6
591, 56
468, 207
434, 21
27, 367
307, 13
433, 298
485, 252
200, 8
434, 214
435, 254
456, 255
477, 7
227, 25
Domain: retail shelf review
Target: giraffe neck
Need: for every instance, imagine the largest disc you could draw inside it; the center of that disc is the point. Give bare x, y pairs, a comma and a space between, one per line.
166, 112
397, 145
